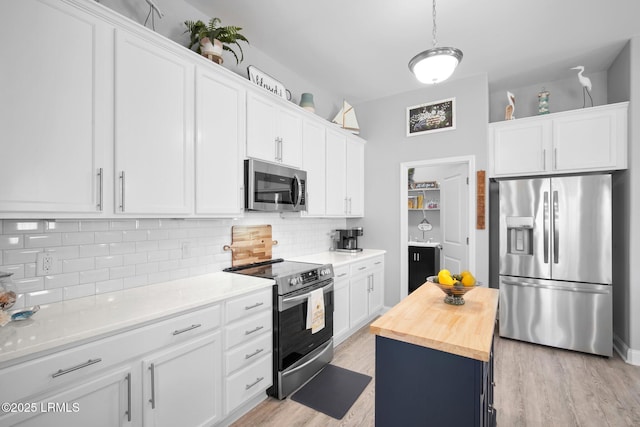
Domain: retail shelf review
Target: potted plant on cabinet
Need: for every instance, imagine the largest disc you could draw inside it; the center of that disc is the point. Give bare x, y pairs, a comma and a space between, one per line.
212, 39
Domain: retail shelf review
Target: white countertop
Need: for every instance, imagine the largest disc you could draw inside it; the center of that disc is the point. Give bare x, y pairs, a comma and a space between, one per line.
424, 244
73, 322
339, 258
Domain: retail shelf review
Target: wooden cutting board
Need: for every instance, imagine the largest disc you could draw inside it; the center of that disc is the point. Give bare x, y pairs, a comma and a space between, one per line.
250, 243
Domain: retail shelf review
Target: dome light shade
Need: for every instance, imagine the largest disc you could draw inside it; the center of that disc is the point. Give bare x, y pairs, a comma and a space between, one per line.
435, 65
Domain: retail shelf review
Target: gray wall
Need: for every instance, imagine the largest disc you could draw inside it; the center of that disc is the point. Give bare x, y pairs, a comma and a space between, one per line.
382, 124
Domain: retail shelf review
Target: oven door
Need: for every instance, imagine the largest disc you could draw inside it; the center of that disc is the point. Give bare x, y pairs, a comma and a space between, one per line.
270, 187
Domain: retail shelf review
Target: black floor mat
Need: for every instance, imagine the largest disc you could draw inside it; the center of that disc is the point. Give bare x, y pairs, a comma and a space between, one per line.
333, 391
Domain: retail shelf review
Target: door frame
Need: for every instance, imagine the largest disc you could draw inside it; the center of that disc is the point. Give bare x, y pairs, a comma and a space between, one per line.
470, 161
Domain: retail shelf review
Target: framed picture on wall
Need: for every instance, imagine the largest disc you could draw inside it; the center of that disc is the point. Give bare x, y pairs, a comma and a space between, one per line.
434, 116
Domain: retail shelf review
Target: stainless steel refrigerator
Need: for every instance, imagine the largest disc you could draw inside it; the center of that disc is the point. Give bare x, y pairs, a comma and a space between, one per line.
555, 262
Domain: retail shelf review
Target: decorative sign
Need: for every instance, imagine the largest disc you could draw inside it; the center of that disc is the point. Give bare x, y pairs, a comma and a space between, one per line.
267, 82
480, 198
432, 117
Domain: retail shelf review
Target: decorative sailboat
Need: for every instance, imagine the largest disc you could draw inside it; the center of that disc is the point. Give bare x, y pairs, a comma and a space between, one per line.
346, 118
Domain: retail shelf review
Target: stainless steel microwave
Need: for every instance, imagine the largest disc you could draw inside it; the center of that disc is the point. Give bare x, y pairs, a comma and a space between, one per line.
274, 188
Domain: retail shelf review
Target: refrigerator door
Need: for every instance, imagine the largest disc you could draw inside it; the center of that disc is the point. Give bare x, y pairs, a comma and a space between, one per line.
525, 225
581, 230
575, 316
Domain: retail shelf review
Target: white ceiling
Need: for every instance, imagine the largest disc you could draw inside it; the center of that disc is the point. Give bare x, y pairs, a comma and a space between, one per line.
360, 48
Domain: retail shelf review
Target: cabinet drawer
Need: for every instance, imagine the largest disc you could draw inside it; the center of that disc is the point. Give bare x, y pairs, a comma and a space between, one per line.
38, 375
249, 304
341, 273
250, 381
247, 329
365, 266
248, 353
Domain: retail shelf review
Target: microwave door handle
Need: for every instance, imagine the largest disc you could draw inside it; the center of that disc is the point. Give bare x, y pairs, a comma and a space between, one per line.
297, 191
546, 227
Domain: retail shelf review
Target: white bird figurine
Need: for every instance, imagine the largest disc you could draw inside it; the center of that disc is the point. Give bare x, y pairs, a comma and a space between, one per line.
586, 85
509, 113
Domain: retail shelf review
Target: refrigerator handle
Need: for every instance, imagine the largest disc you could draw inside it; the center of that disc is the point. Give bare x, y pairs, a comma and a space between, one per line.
556, 231
546, 227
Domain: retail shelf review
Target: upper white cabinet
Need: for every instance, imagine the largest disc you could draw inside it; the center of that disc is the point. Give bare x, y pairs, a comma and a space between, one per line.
591, 139
56, 109
345, 175
220, 137
154, 98
274, 133
314, 163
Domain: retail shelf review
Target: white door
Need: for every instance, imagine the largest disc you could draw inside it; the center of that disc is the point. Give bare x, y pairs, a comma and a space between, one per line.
358, 300
290, 134
454, 219
336, 174
355, 177
314, 162
261, 128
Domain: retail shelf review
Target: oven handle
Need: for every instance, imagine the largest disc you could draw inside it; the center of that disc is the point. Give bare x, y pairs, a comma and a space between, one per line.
287, 302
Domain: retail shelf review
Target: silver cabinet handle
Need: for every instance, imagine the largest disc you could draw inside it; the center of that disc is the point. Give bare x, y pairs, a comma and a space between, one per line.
256, 329
75, 368
345, 206
342, 275
152, 368
277, 146
122, 191
544, 159
555, 159
258, 351
100, 189
281, 148
248, 386
362, 268
349, 205
188, 328
128, 412
378, 262
249, 307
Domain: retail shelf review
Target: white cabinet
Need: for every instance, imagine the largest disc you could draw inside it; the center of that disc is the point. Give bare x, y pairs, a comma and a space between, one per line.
314, 163
220, 137
341, 303
591, 139
154, 98
56, 109
274, 132
366, 290
345, 175
182, 385
376, 287
358, 299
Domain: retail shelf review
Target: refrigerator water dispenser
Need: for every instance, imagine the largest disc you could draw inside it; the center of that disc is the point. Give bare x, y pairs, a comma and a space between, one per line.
520, 235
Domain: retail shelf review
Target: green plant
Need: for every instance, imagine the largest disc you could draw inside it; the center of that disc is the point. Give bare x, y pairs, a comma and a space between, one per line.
229, 35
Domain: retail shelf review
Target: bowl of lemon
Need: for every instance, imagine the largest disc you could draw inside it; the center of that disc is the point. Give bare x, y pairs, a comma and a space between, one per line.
453, 285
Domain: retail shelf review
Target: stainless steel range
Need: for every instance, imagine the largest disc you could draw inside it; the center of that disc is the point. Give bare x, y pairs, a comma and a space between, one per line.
298, 354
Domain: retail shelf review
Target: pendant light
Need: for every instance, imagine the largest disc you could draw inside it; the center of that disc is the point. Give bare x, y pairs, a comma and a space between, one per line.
435, 65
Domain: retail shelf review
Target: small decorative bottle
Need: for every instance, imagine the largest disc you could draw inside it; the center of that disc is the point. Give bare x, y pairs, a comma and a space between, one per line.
306, 102
543, 102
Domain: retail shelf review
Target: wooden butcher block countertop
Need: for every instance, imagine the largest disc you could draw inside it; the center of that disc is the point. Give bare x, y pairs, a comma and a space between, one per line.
424, 319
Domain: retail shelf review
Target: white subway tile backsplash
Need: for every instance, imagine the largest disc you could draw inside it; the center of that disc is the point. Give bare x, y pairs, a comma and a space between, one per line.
79, 291
99, 256
101, 249
43, 297
16, 270
61, 280
42, 240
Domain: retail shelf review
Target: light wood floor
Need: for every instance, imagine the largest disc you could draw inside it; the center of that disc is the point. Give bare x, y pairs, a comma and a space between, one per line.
535, 386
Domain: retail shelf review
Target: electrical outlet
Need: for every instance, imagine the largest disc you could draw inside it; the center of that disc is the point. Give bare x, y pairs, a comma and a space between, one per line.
186, 249
45, 263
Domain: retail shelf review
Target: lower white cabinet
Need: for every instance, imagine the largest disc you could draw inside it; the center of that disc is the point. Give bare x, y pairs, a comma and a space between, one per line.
182, 385
341, 303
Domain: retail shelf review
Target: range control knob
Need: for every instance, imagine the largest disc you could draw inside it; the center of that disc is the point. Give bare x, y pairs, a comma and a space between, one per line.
325, 271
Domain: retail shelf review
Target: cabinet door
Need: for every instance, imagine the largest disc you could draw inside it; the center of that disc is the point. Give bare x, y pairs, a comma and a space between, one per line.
153, 128
262, 118
102, 401
56, 108
423, 262
340, 308
358, 299
314, 162
521, 148
355, 177
220, 136
336, 174
588, 140
183, 385
290, 134
376, 289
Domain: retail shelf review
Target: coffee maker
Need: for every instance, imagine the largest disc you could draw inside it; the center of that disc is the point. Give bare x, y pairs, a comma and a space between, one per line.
346, 240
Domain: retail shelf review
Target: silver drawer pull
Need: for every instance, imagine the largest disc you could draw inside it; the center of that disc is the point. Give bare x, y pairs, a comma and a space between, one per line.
75, 368
248, 386
377, 263
362, 268
188, 328
249, 356
249, 307
342, 275
257, 328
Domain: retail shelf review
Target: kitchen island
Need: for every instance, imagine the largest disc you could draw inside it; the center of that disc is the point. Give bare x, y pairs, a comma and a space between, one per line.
434, 361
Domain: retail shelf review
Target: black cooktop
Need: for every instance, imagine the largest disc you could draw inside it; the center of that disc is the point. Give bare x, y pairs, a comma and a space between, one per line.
273, 269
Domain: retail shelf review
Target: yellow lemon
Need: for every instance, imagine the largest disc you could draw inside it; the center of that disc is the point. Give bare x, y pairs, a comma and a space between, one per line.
464, 273
444, 277
468, 279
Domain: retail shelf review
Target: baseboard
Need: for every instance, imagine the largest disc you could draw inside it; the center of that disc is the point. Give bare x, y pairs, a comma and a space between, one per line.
627, 354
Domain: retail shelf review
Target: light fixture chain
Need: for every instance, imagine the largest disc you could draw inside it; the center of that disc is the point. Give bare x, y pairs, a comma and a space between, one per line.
435, 42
